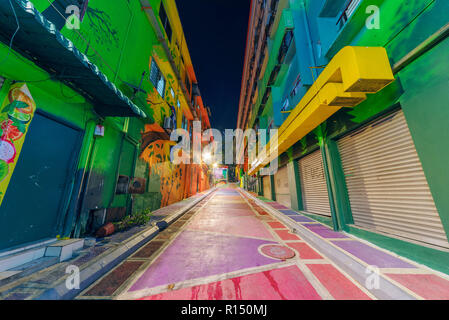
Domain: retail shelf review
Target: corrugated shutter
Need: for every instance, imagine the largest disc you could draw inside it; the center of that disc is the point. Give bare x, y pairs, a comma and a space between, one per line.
266, 187
387, 187
313, 184
282, 188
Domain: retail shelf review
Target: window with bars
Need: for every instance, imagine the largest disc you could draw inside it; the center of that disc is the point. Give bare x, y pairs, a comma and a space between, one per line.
185, 123
349, 10
157, 78
187, 82
285, 105
296, 88
286, 42
165, 22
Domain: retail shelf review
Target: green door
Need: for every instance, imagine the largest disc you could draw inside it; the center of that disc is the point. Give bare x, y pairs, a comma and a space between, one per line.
34, 203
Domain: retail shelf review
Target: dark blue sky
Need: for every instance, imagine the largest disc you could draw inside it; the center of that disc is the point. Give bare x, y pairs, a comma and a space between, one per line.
216, 36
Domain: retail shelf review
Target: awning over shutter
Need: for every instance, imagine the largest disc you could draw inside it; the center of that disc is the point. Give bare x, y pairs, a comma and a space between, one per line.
39, 40
388, 190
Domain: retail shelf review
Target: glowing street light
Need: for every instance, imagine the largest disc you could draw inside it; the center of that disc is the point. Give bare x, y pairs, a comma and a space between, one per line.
207, 157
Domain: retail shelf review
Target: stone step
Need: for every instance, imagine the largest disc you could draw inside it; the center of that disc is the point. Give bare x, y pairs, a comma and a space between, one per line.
14, 260
26, 269
64, 249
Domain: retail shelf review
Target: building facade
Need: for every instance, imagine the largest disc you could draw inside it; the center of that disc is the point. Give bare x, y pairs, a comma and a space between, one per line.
358, 92
90, 92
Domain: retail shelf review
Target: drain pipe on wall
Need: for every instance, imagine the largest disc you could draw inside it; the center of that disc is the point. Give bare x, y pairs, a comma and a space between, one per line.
87, 165
80, 178
124, 43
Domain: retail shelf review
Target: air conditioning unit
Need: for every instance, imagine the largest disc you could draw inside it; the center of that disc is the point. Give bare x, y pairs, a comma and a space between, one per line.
137, 186
168, 123
122, 185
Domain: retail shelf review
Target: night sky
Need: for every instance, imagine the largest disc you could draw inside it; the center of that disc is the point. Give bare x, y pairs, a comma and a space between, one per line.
216, 35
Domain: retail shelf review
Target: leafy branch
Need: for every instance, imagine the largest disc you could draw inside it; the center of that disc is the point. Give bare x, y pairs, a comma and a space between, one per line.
138, 219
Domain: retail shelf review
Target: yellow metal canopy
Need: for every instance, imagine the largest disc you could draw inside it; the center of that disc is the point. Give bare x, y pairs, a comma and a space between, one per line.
352, 73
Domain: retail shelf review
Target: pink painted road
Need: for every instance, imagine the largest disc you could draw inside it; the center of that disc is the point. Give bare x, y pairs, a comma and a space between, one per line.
230, 248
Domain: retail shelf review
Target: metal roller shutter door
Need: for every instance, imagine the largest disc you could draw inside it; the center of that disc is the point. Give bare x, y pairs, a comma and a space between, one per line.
267, 187
313, 184
388, 190
282, 188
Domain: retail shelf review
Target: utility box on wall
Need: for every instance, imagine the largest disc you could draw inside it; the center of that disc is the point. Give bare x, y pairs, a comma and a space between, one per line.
122, 185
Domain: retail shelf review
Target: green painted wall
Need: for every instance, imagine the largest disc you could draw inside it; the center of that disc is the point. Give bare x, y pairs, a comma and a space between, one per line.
119, 39
425, 104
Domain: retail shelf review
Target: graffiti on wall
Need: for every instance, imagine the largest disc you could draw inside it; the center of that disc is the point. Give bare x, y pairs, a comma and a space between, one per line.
156, 153
172, 182
16, 113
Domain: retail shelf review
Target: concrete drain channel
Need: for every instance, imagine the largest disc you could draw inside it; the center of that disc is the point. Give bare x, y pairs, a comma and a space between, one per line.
115, 281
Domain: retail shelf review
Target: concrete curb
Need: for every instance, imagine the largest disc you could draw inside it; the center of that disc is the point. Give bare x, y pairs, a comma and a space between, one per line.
110, 260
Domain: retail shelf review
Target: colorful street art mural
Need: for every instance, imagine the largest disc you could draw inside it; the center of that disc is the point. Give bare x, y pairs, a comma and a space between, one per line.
175, 181
17, 111
156, 153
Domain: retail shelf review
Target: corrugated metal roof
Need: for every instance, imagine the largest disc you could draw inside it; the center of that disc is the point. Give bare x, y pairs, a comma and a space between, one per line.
39, 40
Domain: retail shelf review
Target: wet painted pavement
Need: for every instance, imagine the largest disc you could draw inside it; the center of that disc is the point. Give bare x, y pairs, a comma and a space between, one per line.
216, 252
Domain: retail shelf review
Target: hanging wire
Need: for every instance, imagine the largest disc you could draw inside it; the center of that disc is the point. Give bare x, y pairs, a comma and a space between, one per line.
14, 35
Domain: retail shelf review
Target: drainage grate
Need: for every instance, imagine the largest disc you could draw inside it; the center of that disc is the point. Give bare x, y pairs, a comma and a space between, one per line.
277, 252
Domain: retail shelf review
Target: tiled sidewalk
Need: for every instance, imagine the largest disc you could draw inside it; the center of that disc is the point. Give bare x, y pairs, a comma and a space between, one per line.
415, 280
216, 254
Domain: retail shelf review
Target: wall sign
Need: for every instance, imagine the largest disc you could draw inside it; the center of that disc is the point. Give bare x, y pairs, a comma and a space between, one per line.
16, 113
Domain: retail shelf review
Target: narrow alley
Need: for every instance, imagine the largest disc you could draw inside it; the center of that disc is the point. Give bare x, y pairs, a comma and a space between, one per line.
233, 246
250, 150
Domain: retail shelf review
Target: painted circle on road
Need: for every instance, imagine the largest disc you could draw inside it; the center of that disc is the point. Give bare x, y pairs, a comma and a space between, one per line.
277, 251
